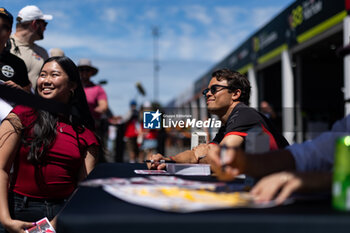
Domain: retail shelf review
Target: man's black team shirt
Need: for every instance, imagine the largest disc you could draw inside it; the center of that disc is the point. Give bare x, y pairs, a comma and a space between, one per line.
13, 68
242, 119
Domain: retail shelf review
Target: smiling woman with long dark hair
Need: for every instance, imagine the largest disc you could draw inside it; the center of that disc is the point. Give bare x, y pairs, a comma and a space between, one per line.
50, 153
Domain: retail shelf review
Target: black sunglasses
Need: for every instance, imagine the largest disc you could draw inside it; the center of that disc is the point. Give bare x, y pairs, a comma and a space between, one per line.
43, 21
213, 89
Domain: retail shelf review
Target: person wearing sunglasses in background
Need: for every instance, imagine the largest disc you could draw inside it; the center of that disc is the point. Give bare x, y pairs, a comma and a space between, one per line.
31, 24
227, 96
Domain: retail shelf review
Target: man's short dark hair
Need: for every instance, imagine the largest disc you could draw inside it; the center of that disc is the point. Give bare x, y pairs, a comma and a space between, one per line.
235, 80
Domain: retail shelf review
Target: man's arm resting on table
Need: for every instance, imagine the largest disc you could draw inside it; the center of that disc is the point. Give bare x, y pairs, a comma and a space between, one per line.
187, 156
196, 155
199, 153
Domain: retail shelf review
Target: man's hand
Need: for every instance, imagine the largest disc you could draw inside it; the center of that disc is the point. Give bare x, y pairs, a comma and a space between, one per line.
228, 163
200, 152
156, 165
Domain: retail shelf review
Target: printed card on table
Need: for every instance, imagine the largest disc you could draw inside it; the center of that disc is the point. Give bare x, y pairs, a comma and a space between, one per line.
150, 172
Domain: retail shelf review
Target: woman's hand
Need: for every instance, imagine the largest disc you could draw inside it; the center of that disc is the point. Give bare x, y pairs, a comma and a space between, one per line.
278, 185
17, 226
282, 184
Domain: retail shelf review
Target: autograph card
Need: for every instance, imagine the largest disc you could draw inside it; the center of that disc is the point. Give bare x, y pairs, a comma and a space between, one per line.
150, 172
42, 226
100, 182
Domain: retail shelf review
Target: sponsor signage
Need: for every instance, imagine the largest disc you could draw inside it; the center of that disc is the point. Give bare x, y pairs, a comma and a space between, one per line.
299, 22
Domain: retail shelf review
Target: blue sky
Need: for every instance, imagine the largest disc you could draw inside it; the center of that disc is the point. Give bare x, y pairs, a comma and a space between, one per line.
116, 35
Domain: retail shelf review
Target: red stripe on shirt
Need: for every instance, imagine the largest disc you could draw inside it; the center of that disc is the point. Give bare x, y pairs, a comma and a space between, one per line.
237, 133
273, 144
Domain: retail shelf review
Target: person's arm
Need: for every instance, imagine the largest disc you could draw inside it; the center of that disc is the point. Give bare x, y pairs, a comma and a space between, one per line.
9, 142
196, 155
89, 162
102, 106
102, 103
256, 165
15, 85
28, 88
187, 156
233, 144
280, 186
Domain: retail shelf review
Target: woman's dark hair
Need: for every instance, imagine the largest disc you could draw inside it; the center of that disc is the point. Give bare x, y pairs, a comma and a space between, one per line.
44, 129
235, 80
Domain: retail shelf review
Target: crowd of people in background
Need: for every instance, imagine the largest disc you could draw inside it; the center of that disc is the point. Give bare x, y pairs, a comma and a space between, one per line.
139, 142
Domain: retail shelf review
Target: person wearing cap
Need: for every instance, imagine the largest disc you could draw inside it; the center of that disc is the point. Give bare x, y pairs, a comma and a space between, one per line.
13, 71
95, 94
30, 27
56, 52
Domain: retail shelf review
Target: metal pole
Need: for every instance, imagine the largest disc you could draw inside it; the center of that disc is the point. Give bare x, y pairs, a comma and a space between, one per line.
155, 33
254, 92
287, 97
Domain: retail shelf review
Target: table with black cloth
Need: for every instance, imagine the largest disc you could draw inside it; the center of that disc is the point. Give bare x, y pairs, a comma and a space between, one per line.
93, 210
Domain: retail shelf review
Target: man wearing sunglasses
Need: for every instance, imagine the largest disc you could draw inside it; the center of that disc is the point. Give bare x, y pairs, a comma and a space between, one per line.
227, 96
30, 27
